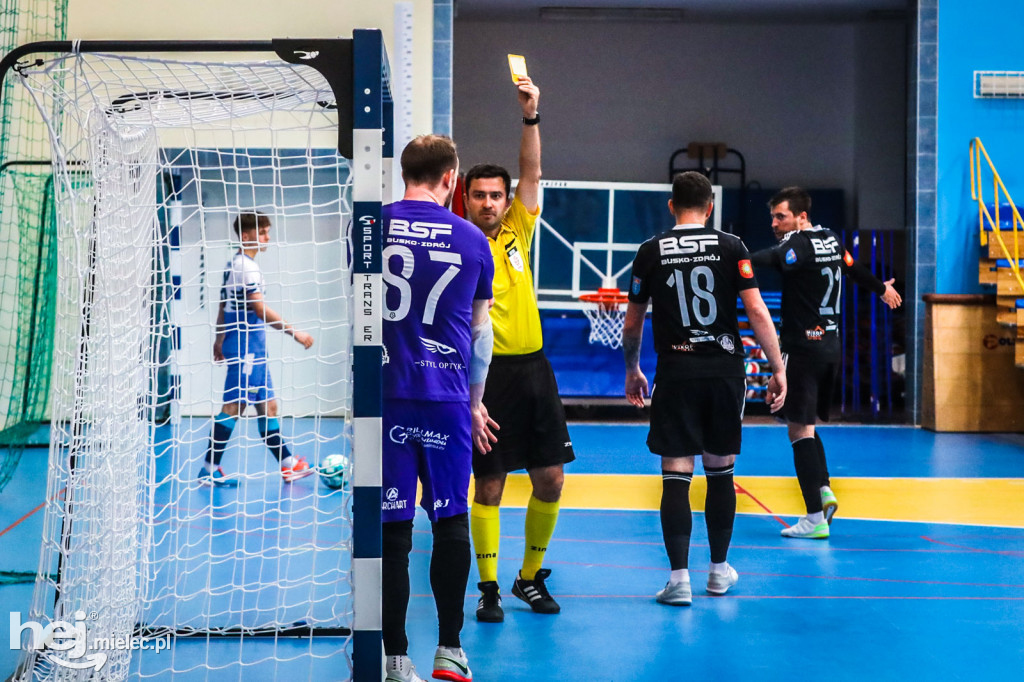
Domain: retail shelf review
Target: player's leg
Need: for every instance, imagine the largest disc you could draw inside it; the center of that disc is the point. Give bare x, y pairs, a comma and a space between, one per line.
676, 434
719, 517
829, 502
489, 471
444, 475
546, 448
450, 562
223, 424
399, 470
485, 522
806, 461
801, 413
292, 467
676, 528
723, 406
541, 518
826, 385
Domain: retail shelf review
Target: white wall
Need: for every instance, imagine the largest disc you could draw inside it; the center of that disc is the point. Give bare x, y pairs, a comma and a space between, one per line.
618, 98
263, 19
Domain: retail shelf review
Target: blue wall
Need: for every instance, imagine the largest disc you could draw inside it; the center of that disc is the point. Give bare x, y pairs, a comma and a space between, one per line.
983, 35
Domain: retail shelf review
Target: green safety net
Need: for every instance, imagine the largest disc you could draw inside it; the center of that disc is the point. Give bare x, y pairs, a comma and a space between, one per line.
27, 240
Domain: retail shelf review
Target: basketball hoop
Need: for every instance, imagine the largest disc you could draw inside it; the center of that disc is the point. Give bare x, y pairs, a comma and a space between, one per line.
606, 311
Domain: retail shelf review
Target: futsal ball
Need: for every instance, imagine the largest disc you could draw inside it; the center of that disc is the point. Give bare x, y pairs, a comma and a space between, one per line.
334, 471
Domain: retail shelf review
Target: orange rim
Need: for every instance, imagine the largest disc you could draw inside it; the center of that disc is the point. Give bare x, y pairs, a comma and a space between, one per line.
605, 296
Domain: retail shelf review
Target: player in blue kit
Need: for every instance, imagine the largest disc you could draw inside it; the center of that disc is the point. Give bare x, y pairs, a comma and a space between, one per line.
438, 340
242, 342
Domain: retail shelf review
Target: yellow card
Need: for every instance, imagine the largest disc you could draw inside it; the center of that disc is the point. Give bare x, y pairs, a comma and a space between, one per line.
517, 64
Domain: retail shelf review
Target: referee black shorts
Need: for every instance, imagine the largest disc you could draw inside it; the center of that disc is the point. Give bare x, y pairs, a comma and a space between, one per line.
693, 416
810, 384
522, 396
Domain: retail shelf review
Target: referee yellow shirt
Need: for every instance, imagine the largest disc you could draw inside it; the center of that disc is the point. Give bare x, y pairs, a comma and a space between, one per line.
515, 317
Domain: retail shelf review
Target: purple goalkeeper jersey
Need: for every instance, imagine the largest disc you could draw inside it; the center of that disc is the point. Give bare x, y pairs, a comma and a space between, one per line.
435, 265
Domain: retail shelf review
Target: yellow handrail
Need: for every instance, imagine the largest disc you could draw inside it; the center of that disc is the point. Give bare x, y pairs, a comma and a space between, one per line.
977, 149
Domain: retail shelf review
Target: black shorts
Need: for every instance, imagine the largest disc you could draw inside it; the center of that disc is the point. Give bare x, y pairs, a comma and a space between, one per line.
522, 396
693, 416
810, 385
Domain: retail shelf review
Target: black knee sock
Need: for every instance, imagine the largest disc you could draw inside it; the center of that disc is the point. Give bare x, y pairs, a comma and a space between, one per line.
396, 544
270, 429
808, 472
825, 480
676, 521
449, 572
223, 425
719, 511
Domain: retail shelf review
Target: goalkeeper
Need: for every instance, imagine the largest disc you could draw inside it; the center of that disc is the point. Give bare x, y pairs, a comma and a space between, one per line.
242, 341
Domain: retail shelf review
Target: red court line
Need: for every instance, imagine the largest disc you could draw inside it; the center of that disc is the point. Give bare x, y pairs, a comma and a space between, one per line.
18, 522
30, 513
973, 549
740, 489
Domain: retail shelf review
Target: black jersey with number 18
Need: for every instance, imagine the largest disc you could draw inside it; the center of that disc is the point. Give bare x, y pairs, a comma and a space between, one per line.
812, 263
692, 275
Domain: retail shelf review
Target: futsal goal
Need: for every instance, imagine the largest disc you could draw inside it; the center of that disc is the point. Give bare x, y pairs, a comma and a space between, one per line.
157, 146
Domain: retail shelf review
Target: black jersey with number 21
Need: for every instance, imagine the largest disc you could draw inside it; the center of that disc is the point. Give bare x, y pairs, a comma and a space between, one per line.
812, 263
692, 275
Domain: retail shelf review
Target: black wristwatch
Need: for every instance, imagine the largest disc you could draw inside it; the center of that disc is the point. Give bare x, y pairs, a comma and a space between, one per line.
531, 121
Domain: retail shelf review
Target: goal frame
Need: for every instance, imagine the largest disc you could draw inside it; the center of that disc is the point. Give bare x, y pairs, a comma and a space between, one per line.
358, 72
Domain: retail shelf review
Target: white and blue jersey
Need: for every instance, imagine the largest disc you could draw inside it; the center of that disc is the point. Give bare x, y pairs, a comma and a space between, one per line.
435, 265
245, 334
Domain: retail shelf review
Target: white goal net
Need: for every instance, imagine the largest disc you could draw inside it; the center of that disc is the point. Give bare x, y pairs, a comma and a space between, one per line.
150, 573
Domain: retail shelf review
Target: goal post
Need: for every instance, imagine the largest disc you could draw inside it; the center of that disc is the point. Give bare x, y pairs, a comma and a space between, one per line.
155, 152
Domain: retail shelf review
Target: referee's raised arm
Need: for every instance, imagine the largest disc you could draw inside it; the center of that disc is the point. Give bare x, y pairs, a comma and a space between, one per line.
528, 189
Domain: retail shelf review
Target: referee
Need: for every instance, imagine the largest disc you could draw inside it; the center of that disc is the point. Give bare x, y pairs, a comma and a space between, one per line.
521, 394
812, 261
692, 275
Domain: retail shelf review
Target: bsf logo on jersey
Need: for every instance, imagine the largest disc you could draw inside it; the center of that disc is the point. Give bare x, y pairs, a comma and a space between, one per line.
419, 229
746, 271
825, 247
848, 259
636, 286
687, 244
790, 257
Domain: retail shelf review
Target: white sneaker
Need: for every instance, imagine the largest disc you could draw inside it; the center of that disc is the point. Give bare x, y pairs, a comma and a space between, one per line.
675, 594
719, 583
451, 664
400, 669
804, 528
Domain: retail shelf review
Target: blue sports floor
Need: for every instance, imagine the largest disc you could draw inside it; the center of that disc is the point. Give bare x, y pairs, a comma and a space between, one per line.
881, 599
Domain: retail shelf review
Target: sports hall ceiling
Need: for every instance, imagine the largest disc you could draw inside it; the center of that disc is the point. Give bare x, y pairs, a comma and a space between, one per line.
679, 10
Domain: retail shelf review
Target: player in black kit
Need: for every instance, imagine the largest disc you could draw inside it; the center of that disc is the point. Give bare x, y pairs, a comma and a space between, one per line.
692, 275
812, 261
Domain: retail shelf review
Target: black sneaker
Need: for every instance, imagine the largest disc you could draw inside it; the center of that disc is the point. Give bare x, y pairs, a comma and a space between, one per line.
488, 609
535, 594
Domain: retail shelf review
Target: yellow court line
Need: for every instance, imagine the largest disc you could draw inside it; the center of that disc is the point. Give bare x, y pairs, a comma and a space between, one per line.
967, 501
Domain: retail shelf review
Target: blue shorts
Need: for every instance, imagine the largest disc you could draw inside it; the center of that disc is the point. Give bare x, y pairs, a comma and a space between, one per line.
248, 378
430, 442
